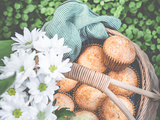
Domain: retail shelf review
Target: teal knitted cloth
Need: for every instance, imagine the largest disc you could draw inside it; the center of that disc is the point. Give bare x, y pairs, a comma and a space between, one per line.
75, 22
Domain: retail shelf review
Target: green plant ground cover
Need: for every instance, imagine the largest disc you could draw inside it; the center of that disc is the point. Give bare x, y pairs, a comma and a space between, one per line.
140, 20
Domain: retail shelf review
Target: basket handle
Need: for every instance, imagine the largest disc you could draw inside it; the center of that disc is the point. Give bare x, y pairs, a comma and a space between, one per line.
135, 89
143, 57
101, 81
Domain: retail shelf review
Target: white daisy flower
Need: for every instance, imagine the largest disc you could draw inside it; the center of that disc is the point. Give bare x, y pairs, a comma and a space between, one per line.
6, 74
53, 66
43, 111
14, 109
40, 91
26, 42
23, 64
44, 44
12, 92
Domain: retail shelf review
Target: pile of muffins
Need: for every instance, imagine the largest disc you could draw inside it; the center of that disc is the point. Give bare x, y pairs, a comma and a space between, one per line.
88, 103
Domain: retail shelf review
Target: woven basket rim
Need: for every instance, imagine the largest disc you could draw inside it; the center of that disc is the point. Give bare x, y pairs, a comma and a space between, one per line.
150, 81
148, 107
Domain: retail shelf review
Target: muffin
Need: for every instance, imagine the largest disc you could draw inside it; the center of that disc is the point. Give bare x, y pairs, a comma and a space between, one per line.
84, 115
64, 101
119, 53
92, 57
109, 110
127, 76
66, 85
88, 97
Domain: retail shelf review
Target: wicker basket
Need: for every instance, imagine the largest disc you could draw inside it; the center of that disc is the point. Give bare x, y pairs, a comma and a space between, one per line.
150, 85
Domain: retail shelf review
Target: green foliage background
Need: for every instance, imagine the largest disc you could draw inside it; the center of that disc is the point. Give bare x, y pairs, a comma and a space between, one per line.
140, 18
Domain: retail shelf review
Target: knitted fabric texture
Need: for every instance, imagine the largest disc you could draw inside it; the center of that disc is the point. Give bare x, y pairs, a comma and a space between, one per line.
76, 22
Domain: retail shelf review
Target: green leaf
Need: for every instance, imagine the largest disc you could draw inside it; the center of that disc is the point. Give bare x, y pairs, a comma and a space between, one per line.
128, 20
158, 47
18, 15
158, 59
149, 22
104, 12
147, 37
43, 10
151, 7
51, 4
135, 21
5, 13
30, 8
9, 9
54, 102
153, 58
106, 6
158, 18
49, 11
139, 43
158, 40
17, 6
124, 26
28, 1
138, 4
25, 17
144, 47
5, 29
135, 31
6, 83
23, 24
96, 1
140, 15
102, 3
154, 32
5, 49
144, 1
157, 118
158, 30
122, 1
157, 69
7, 34
44, 2
141, 23
153, 47
132, 4
63, 112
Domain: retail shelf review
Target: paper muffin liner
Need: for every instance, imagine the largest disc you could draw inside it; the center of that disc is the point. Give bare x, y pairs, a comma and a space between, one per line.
138, 78
69, 97
114, 64
100, 117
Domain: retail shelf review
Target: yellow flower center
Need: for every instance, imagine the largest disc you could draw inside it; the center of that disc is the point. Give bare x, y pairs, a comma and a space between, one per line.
28, 43
11, 91
17, 113
42, 87
52, 68
22, 69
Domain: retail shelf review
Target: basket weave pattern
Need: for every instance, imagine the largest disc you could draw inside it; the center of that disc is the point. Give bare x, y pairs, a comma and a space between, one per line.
148, 107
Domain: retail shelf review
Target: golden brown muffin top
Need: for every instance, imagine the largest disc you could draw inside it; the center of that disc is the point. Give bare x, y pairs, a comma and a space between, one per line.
88, 97
64, 101
84, 115
109, 111
120, 49
92, 57
127, 76
66, 84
